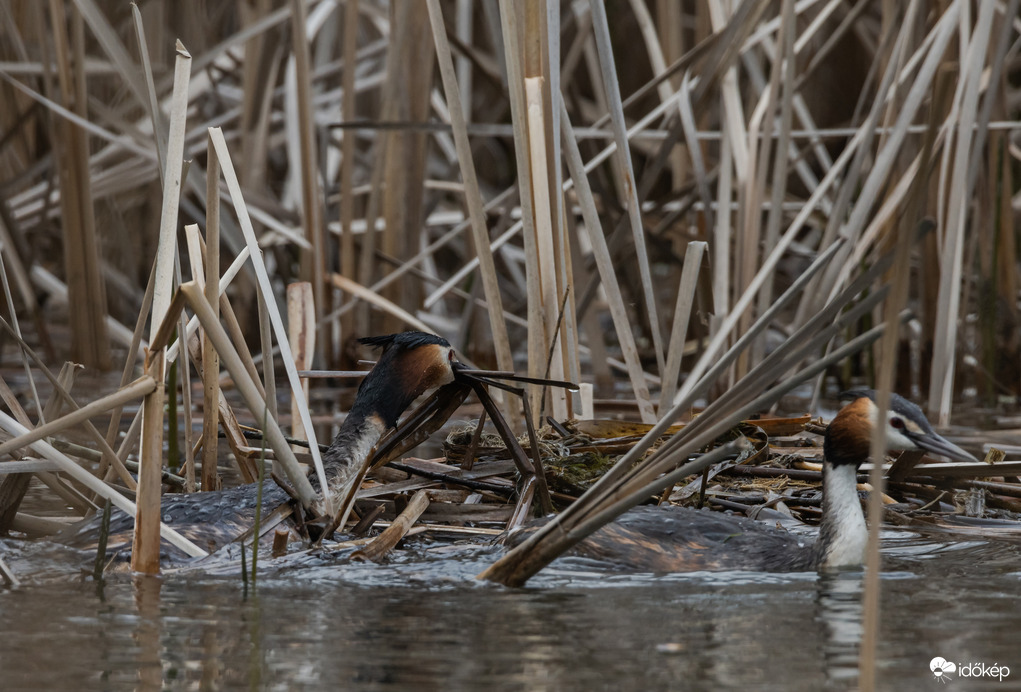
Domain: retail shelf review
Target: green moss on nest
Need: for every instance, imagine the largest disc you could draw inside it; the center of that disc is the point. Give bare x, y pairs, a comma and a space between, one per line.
574, 474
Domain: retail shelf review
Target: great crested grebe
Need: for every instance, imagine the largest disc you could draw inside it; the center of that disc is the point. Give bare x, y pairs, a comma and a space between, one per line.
679, 539
411, 363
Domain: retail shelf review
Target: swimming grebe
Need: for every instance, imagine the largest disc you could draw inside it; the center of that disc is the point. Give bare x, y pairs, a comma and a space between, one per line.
411, 363
678, 539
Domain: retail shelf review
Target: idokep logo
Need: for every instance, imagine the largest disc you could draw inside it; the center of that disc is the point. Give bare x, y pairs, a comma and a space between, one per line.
944, 670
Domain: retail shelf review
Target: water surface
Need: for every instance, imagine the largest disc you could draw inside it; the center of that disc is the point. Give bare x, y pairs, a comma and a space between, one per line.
424, 622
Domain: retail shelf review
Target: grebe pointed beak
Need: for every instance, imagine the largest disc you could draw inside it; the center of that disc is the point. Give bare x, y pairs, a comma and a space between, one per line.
931, 442
462, 371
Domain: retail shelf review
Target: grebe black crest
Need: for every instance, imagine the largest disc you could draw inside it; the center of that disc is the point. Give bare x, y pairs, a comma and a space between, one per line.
679, 539
410, 364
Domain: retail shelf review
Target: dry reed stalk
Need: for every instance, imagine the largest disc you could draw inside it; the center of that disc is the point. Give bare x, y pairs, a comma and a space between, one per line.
150, 86
732, 109
313, 260
473, 195
513, 54
211, 394
721, 256
869, 190
186, 402
889, 345
944, 361
302, 335
10, 259
266, 346
607, 274
372, 298
625, 171
195, 256
279, 332
565, 338
13, 487
27, 467
782, 63
527, 57
406, 94
687, 115
256, 85
16, 327
106, 36
86, 295
145, 557
551, 293
347, 163
682, 313
9, 577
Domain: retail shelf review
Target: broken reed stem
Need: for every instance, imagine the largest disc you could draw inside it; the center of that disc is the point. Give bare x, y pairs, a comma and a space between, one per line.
391, 536
8, 576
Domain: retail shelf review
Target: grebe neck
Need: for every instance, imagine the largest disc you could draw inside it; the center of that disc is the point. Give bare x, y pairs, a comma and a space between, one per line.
843, 534
351, 447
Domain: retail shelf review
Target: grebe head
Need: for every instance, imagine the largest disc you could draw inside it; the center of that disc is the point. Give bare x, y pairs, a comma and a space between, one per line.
411, 364
849, 435
843, 536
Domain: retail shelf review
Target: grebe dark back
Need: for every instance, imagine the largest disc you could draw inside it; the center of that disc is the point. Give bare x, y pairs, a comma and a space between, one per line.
680, 539
411, 363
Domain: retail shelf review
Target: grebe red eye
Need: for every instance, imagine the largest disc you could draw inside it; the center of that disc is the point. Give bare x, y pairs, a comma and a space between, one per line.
897, 423
450, 356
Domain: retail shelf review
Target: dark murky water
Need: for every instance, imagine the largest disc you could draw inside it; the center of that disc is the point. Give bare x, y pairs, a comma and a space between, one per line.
423, 622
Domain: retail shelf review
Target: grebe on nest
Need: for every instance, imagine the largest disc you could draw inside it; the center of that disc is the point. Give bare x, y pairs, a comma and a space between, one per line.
680, 539
411, 363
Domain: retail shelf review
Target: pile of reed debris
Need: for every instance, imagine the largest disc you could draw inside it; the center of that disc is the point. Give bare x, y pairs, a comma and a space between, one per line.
474, 488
